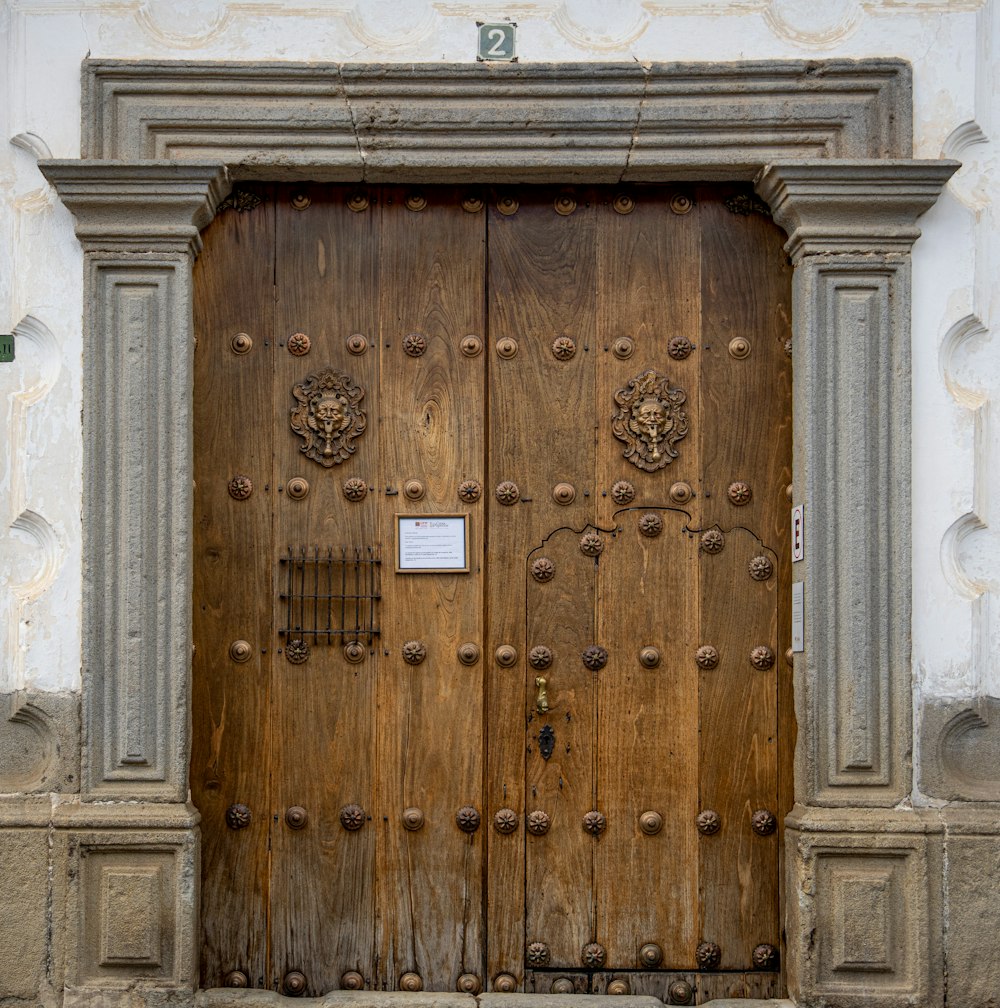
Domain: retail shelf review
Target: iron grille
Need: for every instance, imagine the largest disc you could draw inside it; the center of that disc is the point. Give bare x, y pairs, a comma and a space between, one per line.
331, 592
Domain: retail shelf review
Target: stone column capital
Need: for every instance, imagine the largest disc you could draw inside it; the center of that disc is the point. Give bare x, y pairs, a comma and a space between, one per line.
143, 206
853, 207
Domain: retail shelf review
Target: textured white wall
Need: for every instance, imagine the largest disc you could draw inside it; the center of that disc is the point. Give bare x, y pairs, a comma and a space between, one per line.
952, 46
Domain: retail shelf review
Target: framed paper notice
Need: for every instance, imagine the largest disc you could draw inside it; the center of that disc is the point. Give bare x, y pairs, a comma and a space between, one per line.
432, 544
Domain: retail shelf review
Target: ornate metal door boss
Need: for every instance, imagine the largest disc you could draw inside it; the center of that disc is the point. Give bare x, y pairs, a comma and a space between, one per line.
649, 420
328, 416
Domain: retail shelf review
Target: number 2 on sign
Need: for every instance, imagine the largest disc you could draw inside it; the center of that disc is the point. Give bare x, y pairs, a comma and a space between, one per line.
496, 42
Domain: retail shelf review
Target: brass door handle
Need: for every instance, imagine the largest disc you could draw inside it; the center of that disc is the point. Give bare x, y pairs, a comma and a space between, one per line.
542, 700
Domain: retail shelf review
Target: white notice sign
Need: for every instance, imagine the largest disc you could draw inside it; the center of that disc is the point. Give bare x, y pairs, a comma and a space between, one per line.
798, 617
432, 544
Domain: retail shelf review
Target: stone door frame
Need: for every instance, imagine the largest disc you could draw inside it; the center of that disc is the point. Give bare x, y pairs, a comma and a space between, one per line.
827, 146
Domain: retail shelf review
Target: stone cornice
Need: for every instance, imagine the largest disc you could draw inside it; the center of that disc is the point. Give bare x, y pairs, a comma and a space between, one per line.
603, 122
828, 206
147, 206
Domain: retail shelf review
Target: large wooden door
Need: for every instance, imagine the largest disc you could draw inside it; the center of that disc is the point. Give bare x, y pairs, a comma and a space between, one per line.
565, 767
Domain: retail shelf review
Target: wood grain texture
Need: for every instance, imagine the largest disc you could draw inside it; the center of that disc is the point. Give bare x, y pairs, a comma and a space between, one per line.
430, 752
323, 711
232, 572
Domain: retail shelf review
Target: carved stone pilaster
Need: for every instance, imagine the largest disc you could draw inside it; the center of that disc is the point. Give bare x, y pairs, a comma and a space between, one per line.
139, 228
850, 227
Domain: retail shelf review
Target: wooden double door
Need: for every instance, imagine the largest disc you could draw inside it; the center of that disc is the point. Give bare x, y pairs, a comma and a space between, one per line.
491, 590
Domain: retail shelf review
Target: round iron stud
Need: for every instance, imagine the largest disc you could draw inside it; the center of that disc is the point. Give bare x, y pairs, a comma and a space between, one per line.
507, 205
352, 817
294, 984
411, 982
357, 201
739, 493
355, 489
564, 493
469, 491
623, 347
651, 823
591, 544
504, 983
471, 346
299, 344
619, 986
414, 652
240, 487
413, 819
593, 955
681, 493
739, 348
468, 653
416, 202
680, 992
650, 524
505, 655
712, 542
297, 488
562, 985
623, 203
413, 490
540, 657
414, 345
236, 978
595, 823
564, 204
649, 657
623, 492
240, 651
352, 980
709, 822
760, 568
296, 817
354, 652
538, 954
762, 658
468, 983
706, 657
241, 344
507, 348
681, 203
539, 822
507, 493
472, 203
763, 822
765, 957
680, 348
650, 956
543, 569
357, 344
468, 819
595, 657
790, 492
563, 348
297, 651
300, 201
789, 657
505, 821
708, 955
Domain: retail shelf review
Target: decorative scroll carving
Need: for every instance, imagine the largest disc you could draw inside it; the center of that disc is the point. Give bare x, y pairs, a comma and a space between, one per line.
649, 420
328, 416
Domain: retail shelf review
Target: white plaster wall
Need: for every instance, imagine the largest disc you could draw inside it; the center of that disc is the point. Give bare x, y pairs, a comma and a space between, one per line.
952, 46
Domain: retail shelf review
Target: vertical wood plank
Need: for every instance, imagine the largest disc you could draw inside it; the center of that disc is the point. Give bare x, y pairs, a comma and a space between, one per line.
647, 738
231, 737
430, 752
541, 288
322, 917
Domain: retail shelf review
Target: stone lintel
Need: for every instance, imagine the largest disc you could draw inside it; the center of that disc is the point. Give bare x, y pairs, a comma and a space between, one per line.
854, 207
145, 206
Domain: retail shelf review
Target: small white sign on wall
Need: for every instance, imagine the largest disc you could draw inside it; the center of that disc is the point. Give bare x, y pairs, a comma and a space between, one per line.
798, 533
497, 42
798, 617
